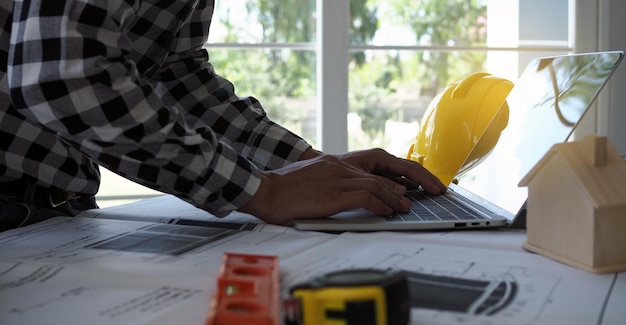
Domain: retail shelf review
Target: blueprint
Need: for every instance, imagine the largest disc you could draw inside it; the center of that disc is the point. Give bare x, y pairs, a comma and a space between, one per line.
461, 285
112, 271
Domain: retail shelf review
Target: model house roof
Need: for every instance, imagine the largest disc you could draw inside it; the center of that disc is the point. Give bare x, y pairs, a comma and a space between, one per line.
596, 165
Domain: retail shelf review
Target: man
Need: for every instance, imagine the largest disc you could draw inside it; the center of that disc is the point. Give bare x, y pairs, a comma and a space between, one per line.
128, 86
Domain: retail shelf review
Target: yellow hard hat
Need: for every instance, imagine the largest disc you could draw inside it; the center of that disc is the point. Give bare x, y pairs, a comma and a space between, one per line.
457, 132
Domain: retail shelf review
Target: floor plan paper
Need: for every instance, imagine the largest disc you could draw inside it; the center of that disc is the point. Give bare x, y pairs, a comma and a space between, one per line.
472, 283
103, 271
112, 271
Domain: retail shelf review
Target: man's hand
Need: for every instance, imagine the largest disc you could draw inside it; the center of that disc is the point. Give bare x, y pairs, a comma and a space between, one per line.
407, 172
327, 184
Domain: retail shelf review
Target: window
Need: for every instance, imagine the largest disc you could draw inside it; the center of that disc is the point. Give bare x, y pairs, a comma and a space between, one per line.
365, 81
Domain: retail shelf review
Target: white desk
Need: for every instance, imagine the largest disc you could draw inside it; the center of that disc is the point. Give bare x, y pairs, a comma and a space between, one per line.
107, 271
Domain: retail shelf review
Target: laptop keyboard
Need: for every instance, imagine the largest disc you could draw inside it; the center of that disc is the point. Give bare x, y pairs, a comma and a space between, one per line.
432, 208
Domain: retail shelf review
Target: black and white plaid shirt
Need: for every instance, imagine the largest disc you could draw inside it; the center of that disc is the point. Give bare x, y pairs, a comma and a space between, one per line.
126, 84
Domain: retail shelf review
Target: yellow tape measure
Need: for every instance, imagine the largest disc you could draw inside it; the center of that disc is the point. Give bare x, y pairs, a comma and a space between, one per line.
353, 297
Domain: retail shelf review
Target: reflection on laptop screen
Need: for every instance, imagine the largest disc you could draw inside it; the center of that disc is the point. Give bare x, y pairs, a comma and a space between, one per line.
546, 103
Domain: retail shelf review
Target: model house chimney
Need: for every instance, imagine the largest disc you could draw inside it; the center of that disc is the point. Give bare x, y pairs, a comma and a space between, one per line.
597, 146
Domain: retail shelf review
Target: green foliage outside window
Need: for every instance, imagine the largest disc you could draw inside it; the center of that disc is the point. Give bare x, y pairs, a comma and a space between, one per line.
384, 84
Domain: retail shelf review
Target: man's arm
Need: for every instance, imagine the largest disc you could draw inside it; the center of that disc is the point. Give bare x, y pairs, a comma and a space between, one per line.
188, 81
77, 71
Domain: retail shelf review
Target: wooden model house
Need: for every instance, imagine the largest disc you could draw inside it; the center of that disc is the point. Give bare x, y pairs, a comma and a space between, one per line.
576, 208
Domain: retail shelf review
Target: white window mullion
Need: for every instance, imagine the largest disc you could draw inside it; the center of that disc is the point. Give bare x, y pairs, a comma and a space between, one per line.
584, 27
612, 100
332, 75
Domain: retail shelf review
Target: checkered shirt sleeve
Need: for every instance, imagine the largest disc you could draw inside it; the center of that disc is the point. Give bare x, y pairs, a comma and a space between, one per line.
128, 85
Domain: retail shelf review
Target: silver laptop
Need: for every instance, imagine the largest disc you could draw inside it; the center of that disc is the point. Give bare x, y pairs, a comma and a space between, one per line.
545, 105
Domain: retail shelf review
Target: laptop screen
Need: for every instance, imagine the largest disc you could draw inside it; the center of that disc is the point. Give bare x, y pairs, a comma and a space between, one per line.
545, 105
